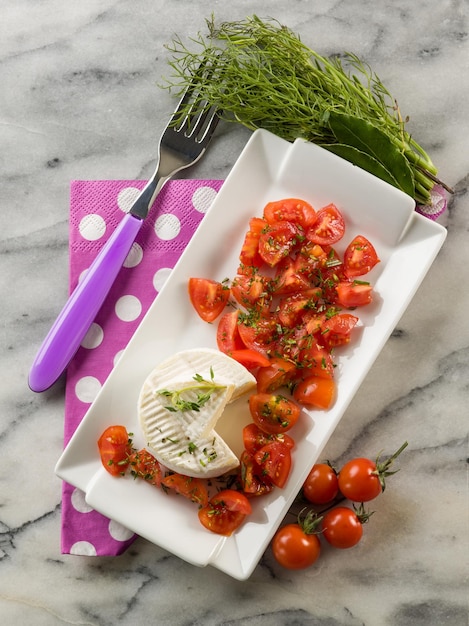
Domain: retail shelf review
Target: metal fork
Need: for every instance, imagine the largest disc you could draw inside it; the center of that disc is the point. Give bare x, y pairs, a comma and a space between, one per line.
182, 144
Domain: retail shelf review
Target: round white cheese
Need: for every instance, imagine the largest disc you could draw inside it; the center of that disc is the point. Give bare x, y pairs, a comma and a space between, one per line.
185, 441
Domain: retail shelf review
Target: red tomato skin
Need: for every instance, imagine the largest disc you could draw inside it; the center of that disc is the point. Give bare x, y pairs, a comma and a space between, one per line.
254, 438
208, 297
115, 449
342, 528
193, 489
275, 375
294, 549
360, 257
358, 481
290, 210
253, 481
336, 330
321, 485
275, 461
328, 227
249, 255
228, 338
225, 512
277, 241
315, 392
144, 465
353, 294
251, 359
273, 413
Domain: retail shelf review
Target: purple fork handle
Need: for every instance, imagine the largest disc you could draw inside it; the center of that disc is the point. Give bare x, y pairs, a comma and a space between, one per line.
73, 322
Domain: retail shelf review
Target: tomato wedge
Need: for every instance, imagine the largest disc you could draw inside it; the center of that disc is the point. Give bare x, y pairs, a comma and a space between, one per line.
253, 481
144, 465
260, 334
328, 227
290, 210
254, 438
315, 392
275, 461
359, 257
251, 359
225, 512
336, 330
277, 374
252, 290
228, 338
353, 294
277, 241
249, 255
115, 448
208, 297
273, 413
193, 489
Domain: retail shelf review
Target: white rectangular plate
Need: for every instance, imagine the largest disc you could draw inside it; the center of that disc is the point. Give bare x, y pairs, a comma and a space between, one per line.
268, 169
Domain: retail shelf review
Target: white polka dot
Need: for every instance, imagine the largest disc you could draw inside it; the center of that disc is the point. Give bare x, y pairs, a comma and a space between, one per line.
135, 256
203, 198
117, 357
79, 503
126, 197
119, 532
167, 226
93, 337
128, 308
87, 388
160, 277
92, 227
83, 548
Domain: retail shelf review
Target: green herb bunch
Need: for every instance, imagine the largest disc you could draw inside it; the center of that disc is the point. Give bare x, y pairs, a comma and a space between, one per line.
262, 76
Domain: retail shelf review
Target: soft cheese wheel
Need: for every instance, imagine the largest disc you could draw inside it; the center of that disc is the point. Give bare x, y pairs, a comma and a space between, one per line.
185, 441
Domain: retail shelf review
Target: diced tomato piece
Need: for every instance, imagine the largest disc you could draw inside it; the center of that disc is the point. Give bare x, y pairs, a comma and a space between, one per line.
225, 512
228, 338
208, 297
193, 489
277, 241
336, 330
259, 334
275, 461
251, 359
114, 449
353, 294
292, 308
359, 257
311, 258
328, 227
288, 279
315, 392
290, 210
273, 413
252, 290
277, 374
254, 438
144, 465
249, 255
253, 481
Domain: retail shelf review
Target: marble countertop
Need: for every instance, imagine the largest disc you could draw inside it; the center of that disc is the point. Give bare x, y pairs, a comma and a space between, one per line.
79, 100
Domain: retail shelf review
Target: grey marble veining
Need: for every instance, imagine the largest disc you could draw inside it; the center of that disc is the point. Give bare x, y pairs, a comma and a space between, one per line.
79, 99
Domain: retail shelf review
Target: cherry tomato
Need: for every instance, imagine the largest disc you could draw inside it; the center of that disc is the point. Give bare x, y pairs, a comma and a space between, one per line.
275, 461
293, 548
193, 489
253, 480
315, 392
290, 210
144, 465
254, 438
328, 227
115, 448
228, 338
288, 279
208, 297
273, 413
277, 374
293, 307
321, 485
259, 335
277, 241
342, 528
359, 480
353, 294
251, 290
359, 257
225, 512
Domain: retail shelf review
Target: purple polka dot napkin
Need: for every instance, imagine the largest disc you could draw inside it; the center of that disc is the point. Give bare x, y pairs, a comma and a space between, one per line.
96, 207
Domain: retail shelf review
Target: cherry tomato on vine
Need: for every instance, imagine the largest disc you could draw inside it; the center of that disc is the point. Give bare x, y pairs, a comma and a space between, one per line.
342, 527
297, 546
321, 485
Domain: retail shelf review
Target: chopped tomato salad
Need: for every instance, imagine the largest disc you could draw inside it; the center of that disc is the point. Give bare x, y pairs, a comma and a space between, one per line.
292, 298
